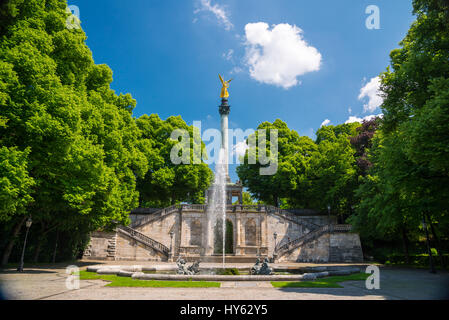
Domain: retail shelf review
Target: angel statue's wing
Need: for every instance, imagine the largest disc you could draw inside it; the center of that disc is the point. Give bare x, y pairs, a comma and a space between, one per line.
221, 79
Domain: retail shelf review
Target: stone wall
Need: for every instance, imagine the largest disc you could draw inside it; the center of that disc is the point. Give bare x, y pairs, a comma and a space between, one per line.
335, 247
130, 249
160, 229
101, 246
286, 231
345, 247
253, 234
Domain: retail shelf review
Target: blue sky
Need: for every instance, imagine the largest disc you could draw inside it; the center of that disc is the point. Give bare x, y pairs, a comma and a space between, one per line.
168, 54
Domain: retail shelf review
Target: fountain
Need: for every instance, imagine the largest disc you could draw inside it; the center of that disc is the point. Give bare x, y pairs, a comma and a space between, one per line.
216, 212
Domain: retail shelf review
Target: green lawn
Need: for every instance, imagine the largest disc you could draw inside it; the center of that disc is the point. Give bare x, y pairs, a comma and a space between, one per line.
129, 282
115, 281
329, 282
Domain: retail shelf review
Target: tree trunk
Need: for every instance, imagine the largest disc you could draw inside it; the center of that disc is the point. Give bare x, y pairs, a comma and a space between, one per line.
12, 241
437, 243
56, 247
405, 245
37, 250
276, 201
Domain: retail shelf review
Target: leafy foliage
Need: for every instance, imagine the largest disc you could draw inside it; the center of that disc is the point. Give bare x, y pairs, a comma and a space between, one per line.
71, 152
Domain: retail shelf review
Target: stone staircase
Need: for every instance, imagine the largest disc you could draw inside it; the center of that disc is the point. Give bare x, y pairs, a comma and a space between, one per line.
285, 214
228, 259
111, 250
88, 251
144, 239
155, 216
313, 235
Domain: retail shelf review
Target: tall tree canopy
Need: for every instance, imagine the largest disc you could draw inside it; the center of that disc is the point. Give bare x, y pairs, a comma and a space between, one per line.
71, 151
291, 147
409, 178
311, 174
166, 183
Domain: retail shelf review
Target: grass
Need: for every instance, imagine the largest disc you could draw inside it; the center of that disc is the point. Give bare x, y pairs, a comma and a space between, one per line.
115, 281
329, 282
129, 282
228, 272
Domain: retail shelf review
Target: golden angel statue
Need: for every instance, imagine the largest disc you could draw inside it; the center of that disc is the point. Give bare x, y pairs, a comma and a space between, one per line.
224, 90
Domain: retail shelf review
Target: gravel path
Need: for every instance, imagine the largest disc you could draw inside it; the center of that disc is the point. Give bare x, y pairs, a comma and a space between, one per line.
50, 283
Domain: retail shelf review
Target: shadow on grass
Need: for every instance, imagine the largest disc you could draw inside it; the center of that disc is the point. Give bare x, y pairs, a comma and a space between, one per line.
328, 282
45, 267
25, 271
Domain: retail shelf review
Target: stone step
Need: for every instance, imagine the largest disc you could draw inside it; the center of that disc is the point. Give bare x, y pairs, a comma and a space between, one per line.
228, 259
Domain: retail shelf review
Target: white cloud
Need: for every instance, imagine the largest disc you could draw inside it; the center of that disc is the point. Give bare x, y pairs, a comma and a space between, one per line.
278, 56
236, 70
228, 55
353, 119
239, 149
325, 122
219, 12
350, 110
371, 91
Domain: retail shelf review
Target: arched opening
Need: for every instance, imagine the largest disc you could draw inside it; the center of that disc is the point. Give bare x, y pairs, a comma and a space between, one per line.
229, 237
195, 233
250, 233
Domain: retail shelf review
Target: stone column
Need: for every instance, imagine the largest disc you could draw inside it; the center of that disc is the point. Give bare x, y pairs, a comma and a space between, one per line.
170, 255
224, 110
263, 231
238, 223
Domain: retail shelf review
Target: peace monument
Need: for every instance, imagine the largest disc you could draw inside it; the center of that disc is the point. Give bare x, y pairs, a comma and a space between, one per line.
222, 231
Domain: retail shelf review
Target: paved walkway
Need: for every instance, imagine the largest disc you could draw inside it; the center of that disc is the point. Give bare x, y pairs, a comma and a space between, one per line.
48, 282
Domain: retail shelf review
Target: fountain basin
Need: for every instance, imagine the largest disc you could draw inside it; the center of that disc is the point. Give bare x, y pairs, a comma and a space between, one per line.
137, 272
215, 277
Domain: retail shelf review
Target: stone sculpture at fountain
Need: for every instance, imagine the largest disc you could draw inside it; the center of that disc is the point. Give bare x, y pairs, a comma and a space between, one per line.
187, 270
261, 269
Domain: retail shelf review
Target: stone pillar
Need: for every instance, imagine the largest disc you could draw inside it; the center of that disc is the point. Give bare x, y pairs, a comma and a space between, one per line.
238, 223
170, 255
180, 232
224, 110
263, 231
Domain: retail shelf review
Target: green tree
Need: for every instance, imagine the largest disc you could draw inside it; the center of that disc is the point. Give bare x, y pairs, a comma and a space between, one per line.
82, 142
293, 151
332, 172
165, 182
15, 183
416, 112
387, 207
247, 199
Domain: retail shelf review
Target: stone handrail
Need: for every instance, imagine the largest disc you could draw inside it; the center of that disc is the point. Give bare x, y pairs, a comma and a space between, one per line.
157, 215
283, 249
136, 235
283, 214
233, 208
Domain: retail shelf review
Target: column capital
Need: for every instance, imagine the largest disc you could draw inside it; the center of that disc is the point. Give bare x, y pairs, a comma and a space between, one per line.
224, 108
